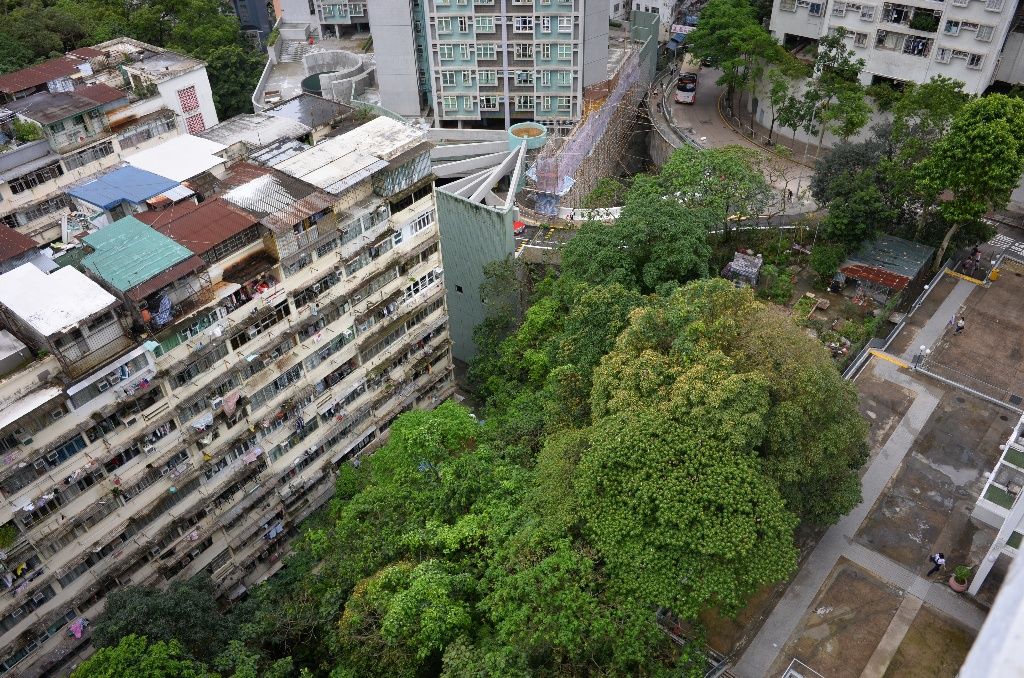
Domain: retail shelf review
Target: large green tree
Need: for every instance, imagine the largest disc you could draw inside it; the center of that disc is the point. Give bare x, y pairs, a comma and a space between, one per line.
134, 655
976, 165
187, 613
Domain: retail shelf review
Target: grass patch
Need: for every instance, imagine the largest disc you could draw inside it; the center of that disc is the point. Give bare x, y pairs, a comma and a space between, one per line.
998, 495
1015, 457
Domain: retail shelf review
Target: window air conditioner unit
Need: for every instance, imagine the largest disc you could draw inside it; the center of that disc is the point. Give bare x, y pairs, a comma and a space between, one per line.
17, 613
216, 403
102, 385
252, 332
39, 599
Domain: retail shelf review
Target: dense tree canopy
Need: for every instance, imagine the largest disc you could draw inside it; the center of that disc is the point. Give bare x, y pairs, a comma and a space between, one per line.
32, 31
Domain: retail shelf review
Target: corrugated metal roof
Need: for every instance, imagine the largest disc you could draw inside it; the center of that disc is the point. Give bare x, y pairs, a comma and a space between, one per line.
900, 258
40, 74
199, 227
13, 243
49, 107
123, 184
278, 199
255, 130
127, 253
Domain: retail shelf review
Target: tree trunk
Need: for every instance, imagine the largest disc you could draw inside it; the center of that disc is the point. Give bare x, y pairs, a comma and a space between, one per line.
945, 243
771, 130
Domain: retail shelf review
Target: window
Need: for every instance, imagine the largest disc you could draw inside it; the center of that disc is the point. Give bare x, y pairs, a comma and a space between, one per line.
787, 5
487, 77
467, 78
974, 61
943, 54
82, 158
444, 25
524, 50
446, 52
565, 24
485, 24
564, 77
188, 99
545, 78
565, 52
860, 39
564, 104
816, 9
545, 103
486, 51
522, 24
195, 123
442, 3
463, 24
447, 78
992, 6
867, 13
524, 77
545, 50
463, 51
524, 103
33, 179
959, 3
450, 103
985, 33
839, 9
545, 24
488, 103
952, 27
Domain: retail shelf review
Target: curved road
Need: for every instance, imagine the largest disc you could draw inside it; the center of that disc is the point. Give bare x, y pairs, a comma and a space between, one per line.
707, 127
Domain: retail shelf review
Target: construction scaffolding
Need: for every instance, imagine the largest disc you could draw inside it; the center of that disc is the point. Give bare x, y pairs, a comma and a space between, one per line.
568, 169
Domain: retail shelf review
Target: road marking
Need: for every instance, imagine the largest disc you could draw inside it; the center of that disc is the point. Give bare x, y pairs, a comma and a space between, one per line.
968, 278
551, 232
890, 358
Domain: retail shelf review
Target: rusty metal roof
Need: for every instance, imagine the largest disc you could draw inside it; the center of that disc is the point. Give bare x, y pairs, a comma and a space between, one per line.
40, 74
199, 227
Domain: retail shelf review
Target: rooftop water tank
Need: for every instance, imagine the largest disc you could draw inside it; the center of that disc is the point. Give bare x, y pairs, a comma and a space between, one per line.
530, 133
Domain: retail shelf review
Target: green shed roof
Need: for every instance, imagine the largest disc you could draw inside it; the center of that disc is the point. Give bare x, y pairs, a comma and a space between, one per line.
128, 253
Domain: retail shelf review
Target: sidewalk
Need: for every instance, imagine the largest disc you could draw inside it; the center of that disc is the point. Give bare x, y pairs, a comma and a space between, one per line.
936, 326
762, 653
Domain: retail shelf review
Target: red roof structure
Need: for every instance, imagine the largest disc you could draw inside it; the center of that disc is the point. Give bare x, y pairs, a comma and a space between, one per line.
13, 243
199, 227
40, 74
877, 275
100, 93
86, 53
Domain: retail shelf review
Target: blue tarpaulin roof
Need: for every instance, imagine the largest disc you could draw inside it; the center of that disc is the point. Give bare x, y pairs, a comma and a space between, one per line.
125, 184
677, 40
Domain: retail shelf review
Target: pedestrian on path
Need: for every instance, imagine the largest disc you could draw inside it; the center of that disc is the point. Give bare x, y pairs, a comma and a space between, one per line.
960, 325
938, 560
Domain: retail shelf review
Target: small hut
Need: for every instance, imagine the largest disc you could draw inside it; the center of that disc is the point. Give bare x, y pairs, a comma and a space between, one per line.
744, 268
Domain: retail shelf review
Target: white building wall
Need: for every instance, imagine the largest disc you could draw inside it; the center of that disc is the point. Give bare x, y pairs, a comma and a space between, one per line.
170, 88
394, 42
965, 47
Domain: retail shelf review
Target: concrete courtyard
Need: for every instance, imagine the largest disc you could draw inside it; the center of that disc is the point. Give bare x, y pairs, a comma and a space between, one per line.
861, 604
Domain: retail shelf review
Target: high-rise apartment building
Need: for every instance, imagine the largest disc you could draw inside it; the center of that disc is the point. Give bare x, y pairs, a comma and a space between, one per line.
916, 40
514, 60
91, 109
176, 398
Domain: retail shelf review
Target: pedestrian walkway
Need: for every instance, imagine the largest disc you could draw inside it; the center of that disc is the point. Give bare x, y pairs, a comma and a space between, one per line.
933, 330
838, 542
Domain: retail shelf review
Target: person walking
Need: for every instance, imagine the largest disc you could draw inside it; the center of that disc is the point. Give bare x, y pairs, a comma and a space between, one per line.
938, 560
960, 325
